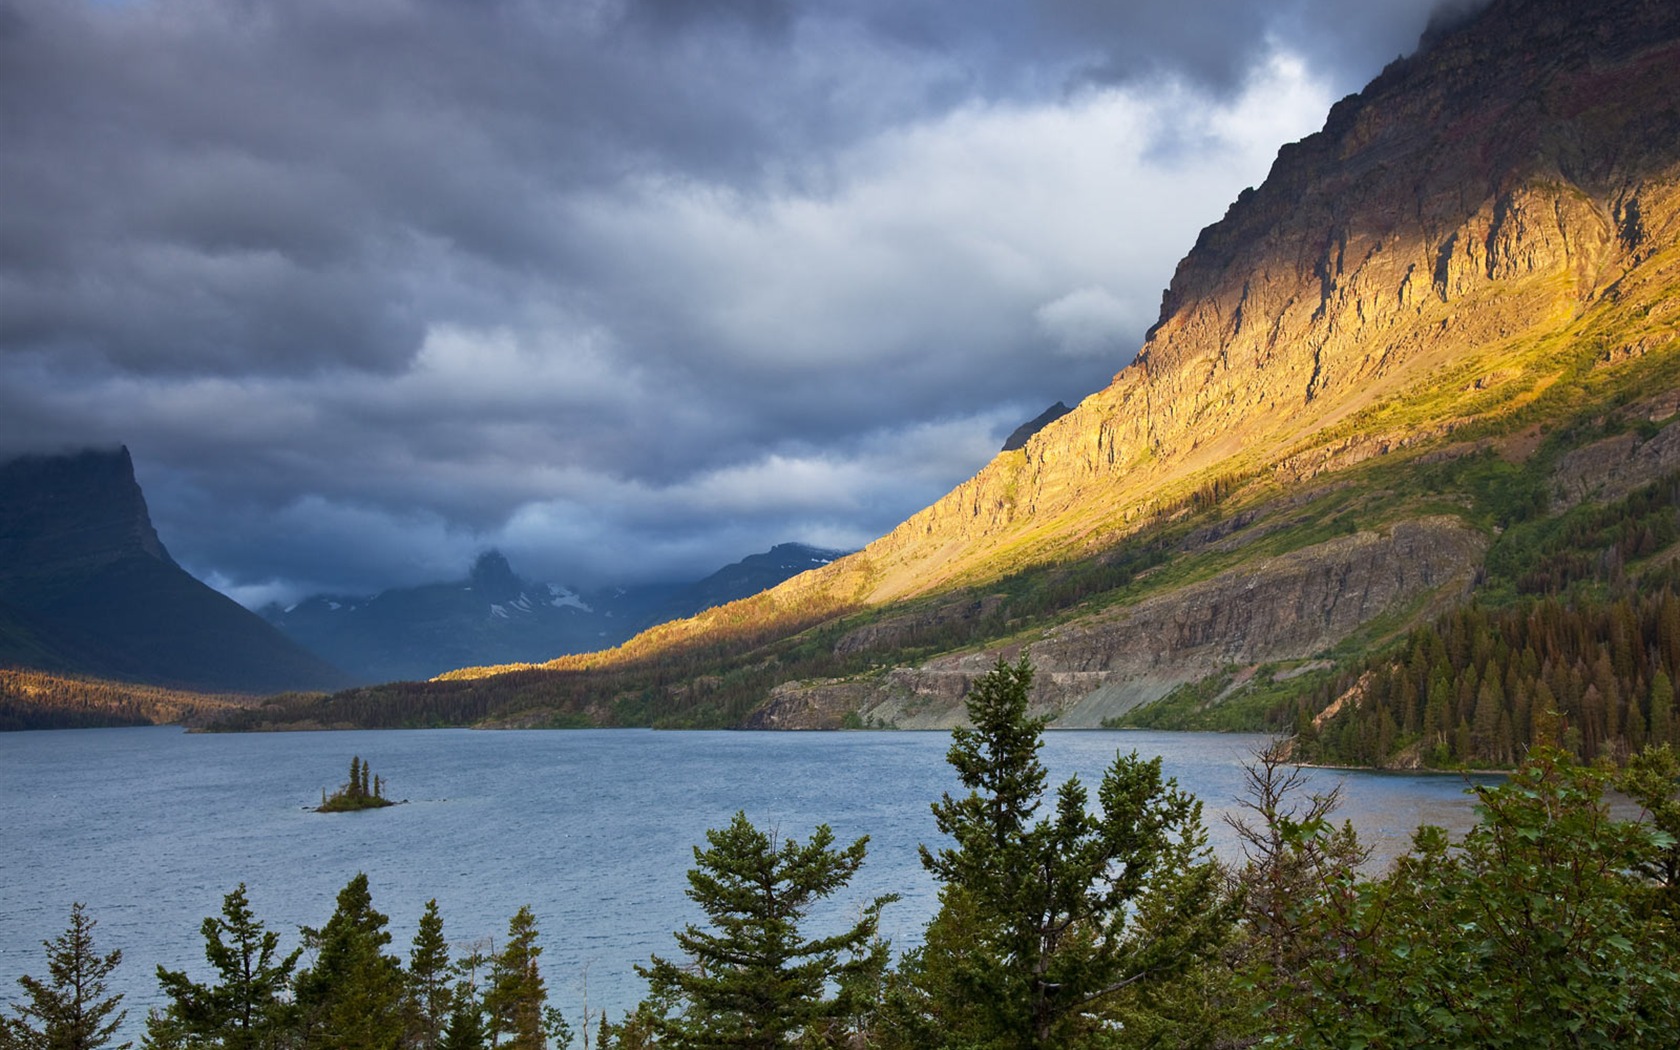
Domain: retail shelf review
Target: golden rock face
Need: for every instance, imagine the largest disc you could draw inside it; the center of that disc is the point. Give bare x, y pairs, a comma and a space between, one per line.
1481, 245
1435, 254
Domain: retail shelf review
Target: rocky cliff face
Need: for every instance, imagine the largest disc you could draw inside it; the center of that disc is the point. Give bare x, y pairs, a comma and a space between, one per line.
87, 588
1494, 214
73, 512
1096, 667
1493, 191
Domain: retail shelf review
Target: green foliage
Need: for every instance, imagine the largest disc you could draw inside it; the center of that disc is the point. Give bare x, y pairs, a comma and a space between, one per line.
1476, 687
248, 1007
355, 995
69, 1010
1652, 780
352, 998
1534, 932
1569, 622
1297, 873
513, 1004
1043, 922
1590, 545
431, 993
754, 979
362, 790
465, 1029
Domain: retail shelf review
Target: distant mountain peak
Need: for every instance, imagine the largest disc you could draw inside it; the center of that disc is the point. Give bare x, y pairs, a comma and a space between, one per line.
1022, 433
496, 617
493, 577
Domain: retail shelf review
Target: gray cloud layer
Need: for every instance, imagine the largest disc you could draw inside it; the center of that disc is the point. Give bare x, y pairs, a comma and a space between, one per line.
627, 287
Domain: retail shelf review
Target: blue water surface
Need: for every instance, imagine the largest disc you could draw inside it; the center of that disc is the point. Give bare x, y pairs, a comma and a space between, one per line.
593, 829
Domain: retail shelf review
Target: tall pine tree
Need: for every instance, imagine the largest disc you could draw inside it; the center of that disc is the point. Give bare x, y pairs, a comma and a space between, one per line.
248, 1007
352, 998
69, 1010
515, 1001
1043, 920
753, 979
430, 988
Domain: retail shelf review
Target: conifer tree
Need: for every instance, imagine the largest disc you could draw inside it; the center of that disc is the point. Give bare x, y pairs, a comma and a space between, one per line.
465, 1030
430, 991
351, 999
1662, 709
753, 980
1043, 920
514, 1002
248, 1007
69, 1010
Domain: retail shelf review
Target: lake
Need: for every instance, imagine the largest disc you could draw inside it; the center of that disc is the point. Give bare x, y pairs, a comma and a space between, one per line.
593, 829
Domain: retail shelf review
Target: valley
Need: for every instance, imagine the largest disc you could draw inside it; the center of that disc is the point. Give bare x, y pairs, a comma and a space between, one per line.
1418, 373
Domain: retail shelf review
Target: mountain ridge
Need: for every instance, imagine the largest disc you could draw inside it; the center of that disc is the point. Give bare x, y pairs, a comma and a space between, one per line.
1469, 276
1168, 421
493, 616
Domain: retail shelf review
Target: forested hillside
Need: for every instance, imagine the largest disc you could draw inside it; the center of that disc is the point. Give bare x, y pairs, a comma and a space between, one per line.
1580, 618
36, 700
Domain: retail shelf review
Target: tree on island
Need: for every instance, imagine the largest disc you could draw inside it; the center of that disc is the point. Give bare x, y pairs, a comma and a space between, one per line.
362, 790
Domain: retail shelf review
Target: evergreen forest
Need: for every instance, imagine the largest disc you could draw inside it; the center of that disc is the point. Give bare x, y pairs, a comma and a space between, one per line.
1070, 916
1578, 616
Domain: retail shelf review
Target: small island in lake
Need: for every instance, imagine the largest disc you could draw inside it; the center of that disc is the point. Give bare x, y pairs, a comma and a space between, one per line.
361, 791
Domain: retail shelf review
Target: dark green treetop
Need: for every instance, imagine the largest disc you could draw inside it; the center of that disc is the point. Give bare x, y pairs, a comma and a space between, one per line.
248, 1007
352, 998
515, 1001
754, 979
1044, 919
431, 988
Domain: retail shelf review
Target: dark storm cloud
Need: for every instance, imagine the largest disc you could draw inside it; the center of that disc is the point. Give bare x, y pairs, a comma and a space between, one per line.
624, 286
1215, 41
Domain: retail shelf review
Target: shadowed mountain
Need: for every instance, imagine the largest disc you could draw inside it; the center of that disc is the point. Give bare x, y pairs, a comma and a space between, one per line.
87, 588
496, 617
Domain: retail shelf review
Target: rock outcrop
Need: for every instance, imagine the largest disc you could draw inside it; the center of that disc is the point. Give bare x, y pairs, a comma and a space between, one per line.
1288, 607
79, 511
86, 587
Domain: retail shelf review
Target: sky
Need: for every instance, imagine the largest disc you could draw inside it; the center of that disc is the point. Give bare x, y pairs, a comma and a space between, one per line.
627, 289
